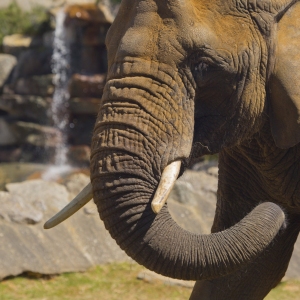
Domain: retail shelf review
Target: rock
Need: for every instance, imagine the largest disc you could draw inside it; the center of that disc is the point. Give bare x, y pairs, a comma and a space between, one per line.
88, 12
81, 129
82, 86
84, 106
91, 208
33, 108
7, 63
214, 171
35, 85
16, 209
151, 277
202, 182
192, 201
293, 270
73, 246
17, 40
10, 153
36, 135
33, 62
31, 153
16, 43
94, 35
48, 39
7, 137
79, 155
183, 193
74, 185
43, 195
16, 172
205, 165
88, 59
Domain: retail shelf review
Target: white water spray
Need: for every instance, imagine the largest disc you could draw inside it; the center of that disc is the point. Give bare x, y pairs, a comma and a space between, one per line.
59, 109
61, 68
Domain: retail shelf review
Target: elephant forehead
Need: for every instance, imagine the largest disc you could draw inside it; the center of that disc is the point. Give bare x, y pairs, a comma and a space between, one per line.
216, 27
166, 30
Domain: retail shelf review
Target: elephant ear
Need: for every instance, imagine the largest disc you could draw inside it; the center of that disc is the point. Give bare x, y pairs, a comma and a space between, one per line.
284, 83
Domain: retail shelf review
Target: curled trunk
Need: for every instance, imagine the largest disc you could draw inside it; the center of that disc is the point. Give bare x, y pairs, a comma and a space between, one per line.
159, 244
134, 140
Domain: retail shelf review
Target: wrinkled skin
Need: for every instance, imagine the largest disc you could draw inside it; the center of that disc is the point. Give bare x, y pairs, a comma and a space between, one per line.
194, 77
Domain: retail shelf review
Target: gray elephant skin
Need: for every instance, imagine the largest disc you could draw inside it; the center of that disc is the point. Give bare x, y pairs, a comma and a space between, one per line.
187, 78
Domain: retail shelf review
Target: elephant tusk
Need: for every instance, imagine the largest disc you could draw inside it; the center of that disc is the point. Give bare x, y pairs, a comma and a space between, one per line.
79, 201
165, 186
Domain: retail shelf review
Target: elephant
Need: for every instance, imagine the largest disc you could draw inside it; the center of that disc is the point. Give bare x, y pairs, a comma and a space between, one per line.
188, 78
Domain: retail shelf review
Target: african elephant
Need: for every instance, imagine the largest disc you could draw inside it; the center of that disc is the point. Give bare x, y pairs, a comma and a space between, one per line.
188, 78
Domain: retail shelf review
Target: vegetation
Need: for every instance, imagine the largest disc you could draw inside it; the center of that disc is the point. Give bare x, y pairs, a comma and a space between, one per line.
14, 20
111, 282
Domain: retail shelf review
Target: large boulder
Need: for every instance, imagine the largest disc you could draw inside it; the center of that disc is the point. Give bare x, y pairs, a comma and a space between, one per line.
87, 86
7, 64
36, 135
88, 12
81, 129
36, 85
7, 137
16, 43
34, 108
84, 106
16, 208
79, 155
33, 62
10, 153
76, 245
19, 172
41, 194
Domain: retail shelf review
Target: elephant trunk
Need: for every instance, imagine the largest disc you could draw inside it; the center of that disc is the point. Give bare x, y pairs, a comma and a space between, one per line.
142, 128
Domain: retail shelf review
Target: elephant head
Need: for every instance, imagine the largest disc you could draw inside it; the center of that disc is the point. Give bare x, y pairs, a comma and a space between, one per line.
187, 78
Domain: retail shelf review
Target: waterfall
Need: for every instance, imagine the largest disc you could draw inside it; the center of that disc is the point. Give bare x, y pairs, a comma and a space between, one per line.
61, 68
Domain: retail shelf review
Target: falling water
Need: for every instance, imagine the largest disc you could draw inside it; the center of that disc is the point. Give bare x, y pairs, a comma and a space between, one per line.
61, 69
59, 108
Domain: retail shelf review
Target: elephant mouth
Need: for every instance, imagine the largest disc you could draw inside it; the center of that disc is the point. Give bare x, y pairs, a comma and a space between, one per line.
167, 181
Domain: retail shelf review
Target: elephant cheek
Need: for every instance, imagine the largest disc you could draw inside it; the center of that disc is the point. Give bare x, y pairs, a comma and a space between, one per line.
158, 130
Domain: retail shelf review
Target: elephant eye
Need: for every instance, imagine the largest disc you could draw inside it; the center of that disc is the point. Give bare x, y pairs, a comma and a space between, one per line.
201, 69
202, 66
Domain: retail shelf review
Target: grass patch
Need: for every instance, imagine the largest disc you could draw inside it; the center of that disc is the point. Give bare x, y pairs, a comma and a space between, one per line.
110, 282
14, 20
289, 290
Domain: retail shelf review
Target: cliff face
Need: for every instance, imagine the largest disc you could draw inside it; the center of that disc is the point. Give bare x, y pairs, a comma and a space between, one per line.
28, 94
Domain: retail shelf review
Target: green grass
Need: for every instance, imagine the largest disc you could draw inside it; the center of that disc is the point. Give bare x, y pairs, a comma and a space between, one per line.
289, 290
110, 282
14, 20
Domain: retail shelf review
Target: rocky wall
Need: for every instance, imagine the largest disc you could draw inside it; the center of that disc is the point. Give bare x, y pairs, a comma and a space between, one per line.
27, 132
